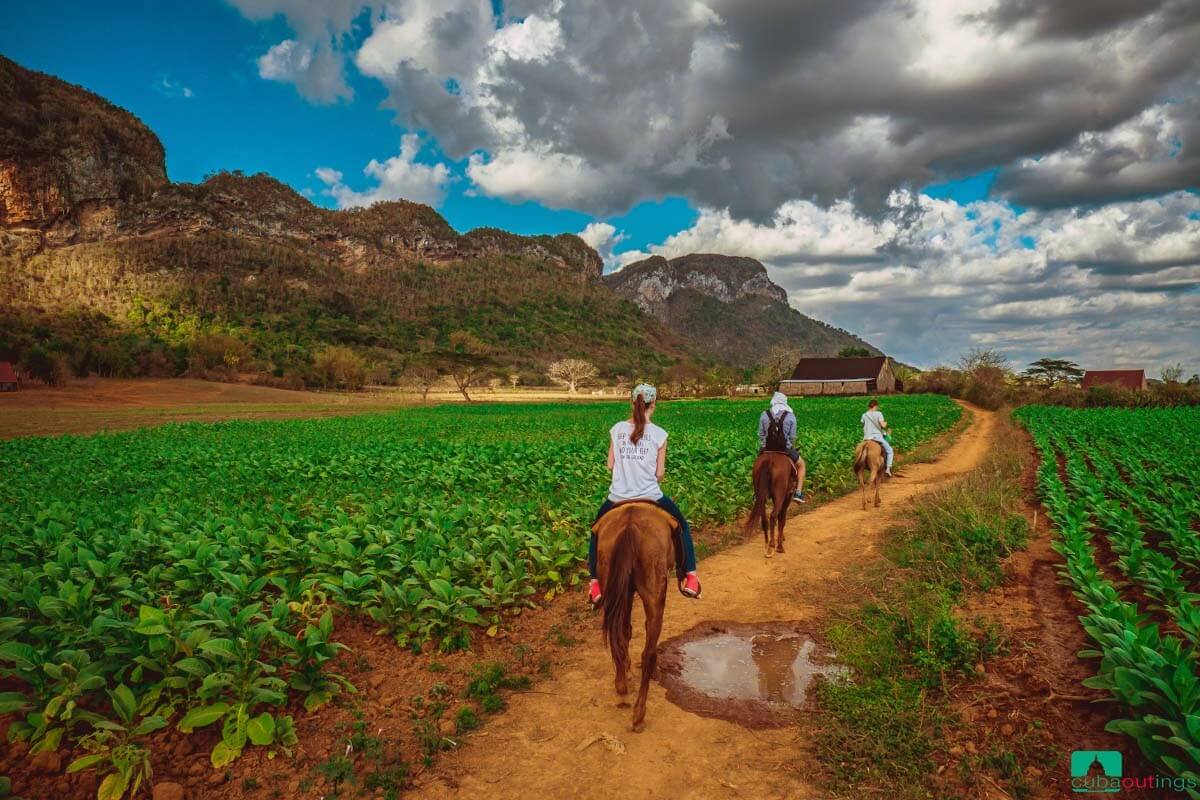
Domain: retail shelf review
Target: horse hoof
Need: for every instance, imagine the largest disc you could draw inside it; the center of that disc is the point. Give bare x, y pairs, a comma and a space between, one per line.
779, 548
638, 727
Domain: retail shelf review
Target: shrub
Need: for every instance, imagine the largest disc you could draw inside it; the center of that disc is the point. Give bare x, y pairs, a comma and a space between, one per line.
338, 367
987, 387
215, 350
45, 365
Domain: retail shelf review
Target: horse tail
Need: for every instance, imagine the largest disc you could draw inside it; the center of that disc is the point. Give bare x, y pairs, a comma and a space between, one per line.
618, 597
762, 488
862, 458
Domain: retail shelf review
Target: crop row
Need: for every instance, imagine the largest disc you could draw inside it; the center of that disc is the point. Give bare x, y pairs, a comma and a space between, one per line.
1125, 481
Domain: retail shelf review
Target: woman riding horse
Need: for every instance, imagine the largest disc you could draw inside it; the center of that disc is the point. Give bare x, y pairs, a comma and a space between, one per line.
637, 458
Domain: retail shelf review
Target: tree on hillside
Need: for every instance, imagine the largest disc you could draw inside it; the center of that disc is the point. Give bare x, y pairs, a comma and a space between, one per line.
571, 372
1053, 370
468, 360
1173, 373
854, 351
513, 379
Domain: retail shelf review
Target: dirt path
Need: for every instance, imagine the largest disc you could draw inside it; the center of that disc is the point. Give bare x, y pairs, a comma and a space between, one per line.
532, 750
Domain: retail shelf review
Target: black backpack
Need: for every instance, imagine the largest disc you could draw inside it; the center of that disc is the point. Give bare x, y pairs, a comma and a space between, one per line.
776, 441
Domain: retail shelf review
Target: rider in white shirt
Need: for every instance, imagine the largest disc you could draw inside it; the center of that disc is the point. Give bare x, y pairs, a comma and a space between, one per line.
874, 429
637, 458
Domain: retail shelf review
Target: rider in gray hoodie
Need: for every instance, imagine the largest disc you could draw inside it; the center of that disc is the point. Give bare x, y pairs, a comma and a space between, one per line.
780, 410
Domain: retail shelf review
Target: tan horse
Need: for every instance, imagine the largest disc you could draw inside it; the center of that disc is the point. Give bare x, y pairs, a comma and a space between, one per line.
868, 468
773, 475
633, 554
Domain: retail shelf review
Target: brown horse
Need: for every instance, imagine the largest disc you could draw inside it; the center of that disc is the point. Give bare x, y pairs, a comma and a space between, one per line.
774, 475
868, 468
634, 553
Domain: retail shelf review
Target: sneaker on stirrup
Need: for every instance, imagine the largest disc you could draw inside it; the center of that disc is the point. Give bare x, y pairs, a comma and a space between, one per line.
691, 586
594, 596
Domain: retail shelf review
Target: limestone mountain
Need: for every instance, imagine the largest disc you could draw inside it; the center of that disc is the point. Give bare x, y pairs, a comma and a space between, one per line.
111, 267
107, 267
727, 306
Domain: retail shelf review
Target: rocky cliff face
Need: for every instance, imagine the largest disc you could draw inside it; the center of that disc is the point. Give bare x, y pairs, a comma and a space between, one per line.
63, 148
726, 305
653, 281
75, 169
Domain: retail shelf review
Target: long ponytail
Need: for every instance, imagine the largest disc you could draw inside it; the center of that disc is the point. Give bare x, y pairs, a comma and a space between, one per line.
639, 418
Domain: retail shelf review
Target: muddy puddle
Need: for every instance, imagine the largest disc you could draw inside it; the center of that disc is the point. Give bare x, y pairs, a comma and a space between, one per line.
755, 674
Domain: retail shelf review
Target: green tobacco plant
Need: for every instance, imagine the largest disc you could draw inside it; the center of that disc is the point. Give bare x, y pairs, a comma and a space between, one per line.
113, 748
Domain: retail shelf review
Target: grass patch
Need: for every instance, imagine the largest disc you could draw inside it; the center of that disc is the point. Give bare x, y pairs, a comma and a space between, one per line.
909, 642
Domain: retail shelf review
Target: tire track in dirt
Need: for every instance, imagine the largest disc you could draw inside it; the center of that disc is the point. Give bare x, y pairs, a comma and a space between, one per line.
532, 751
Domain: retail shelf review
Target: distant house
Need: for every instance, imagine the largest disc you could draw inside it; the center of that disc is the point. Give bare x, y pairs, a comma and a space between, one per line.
841, 376
8, 378
1133, 379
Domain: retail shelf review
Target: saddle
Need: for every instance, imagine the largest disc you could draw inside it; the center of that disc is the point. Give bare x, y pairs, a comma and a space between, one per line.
676, 535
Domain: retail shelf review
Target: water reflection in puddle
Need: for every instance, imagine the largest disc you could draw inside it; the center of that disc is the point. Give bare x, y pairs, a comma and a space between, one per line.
757, 674
769, 667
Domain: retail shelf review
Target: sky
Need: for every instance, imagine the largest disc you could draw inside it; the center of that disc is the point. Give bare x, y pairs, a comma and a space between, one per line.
933, 176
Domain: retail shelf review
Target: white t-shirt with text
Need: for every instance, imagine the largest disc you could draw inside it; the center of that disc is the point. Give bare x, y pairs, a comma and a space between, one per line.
873, 425
634, 465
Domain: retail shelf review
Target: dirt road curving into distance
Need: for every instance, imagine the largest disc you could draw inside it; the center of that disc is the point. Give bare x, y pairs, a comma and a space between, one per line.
532, 751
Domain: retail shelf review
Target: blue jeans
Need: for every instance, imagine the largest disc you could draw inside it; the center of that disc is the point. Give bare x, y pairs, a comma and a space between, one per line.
666, 504
887, 451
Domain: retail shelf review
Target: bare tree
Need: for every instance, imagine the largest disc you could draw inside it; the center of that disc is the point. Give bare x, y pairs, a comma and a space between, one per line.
422, 377
778, 364
571, 372
1173, 373
513, 379
979, 357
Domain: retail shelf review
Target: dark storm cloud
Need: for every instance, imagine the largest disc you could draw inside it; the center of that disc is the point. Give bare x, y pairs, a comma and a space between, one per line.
1155, 153
747, 104
1069, 18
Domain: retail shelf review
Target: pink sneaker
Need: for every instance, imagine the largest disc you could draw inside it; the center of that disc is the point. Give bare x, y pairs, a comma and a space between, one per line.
691, 586
594, 595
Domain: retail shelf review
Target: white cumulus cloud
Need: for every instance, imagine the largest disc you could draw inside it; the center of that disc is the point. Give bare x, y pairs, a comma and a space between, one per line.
400, 177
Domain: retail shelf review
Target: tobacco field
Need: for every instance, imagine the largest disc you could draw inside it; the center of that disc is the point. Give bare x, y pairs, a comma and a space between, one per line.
193, 575
1120, 486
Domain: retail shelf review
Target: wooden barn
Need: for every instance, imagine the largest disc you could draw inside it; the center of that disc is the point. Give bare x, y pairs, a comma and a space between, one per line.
1132, 379
814, 376
8, 378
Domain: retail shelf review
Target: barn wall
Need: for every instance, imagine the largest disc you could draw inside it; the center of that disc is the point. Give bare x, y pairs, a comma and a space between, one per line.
807, 388
799, 388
